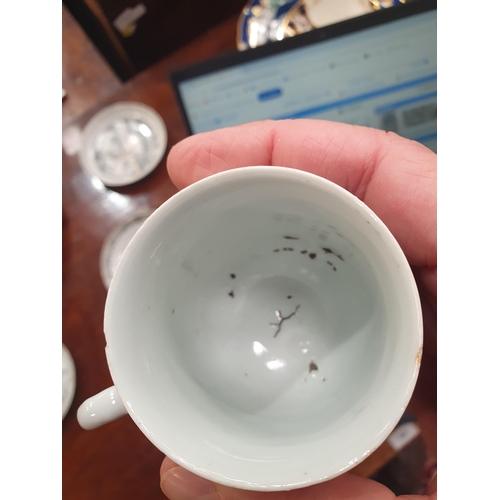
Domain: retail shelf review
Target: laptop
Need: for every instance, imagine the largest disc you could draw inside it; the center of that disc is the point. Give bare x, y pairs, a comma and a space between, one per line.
378, 70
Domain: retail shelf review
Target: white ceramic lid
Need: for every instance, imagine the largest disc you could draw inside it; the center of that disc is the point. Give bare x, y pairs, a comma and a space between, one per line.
68, 380
123, 143
116, 243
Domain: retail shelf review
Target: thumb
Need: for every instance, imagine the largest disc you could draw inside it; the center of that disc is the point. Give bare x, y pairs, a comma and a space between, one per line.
179, 484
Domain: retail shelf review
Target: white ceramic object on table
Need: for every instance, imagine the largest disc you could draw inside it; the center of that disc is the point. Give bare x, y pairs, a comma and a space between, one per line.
324, 12
123, 143
68, 380
115, 243
263, 330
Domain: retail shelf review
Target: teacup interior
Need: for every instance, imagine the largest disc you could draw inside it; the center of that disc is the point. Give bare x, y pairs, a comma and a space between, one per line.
279, 321
254, 319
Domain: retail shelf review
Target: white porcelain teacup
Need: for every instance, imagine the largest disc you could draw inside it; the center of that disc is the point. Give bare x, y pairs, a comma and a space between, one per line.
263, 330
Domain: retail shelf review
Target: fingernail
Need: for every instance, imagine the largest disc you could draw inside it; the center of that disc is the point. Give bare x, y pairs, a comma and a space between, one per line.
180, 484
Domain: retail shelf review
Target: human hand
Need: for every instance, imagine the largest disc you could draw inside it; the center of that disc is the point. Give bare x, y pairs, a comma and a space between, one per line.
395, 177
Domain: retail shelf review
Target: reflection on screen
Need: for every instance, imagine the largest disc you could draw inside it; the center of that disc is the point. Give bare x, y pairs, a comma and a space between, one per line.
383, 77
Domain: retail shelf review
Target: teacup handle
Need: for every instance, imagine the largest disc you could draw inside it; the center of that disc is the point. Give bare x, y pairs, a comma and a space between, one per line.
100, 409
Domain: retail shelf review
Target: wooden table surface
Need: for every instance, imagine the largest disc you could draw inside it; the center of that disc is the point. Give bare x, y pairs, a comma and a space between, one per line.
116, 461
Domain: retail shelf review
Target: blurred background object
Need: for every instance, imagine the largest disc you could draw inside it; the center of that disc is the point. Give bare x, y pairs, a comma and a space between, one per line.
86, 75
133, 35
123, 143
264, 21
116, 243
68, 380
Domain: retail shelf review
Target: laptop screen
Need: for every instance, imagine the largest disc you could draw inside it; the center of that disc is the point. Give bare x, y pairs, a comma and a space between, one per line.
382, 76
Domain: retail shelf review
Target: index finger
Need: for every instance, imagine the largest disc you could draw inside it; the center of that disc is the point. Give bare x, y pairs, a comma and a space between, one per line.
395, 177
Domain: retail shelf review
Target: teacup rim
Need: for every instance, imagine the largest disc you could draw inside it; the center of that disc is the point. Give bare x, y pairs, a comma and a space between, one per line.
205, 184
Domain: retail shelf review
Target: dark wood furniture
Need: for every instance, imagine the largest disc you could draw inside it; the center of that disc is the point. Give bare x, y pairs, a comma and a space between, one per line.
151, 29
